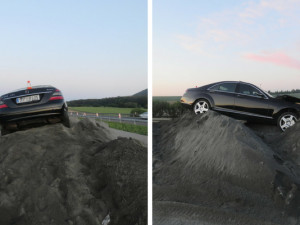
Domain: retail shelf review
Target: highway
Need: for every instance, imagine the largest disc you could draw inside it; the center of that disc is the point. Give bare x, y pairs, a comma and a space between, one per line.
122, 118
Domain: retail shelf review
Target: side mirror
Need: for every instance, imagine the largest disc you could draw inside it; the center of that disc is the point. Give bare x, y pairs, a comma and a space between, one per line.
260, 95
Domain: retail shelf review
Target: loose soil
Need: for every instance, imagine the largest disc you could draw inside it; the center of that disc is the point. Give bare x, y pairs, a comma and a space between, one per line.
81, 175
211, 169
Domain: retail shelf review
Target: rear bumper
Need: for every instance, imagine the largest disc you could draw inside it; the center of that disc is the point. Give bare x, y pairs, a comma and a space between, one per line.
187, 106
186, 102
187, 99
31, 112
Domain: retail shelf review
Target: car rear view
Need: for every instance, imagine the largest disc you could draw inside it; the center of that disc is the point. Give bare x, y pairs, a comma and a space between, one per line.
32, 104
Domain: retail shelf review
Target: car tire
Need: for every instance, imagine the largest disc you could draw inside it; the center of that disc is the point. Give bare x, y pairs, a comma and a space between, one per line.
201, 106
286, 120
65, 118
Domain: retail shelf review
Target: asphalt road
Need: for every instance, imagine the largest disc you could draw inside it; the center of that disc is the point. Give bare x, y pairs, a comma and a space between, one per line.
130, 120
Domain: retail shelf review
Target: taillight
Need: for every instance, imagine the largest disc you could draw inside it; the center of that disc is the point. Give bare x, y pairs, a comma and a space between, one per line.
56, 98
57, 95
2, 105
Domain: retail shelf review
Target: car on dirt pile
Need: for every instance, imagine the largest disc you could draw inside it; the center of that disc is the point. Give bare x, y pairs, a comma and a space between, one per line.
243, 101
32, 105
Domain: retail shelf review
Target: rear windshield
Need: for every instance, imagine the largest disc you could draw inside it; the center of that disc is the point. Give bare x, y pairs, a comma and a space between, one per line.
34, 87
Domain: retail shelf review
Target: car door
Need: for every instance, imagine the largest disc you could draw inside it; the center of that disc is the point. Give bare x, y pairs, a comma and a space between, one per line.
223, 95
252, 101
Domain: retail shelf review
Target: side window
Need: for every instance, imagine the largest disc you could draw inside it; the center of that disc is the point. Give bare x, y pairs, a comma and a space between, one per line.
227, 87
249, 90
215, 88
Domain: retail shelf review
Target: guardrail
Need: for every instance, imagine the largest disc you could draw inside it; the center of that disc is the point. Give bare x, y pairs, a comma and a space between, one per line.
114, 117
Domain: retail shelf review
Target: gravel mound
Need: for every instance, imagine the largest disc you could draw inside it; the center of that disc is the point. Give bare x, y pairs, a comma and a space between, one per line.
82, 175
289, 144
223, 172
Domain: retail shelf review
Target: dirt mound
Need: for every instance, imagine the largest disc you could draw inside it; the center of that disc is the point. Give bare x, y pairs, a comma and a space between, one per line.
289, 144
285, 144
218, 167
57, 175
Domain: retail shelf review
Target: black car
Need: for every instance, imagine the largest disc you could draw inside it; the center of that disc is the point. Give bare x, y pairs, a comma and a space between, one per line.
29, 105
243, 101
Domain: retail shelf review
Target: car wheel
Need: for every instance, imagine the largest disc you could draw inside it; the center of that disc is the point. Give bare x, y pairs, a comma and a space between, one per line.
201, 106
65, 118
286, 120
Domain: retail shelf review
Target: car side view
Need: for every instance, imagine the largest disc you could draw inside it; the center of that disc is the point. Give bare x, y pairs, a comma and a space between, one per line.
32, 104
243, 101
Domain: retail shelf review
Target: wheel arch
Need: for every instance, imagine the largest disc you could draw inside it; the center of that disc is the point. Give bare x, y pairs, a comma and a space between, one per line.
206, 98
280, 112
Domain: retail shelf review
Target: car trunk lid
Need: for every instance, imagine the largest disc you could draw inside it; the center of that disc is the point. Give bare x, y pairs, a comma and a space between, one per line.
27, 97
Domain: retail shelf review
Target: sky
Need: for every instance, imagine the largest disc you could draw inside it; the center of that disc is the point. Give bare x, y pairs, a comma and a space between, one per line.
87, 49
198, 42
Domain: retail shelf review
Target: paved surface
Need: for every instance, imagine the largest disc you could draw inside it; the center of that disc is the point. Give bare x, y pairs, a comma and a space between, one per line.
123, 119
143, 139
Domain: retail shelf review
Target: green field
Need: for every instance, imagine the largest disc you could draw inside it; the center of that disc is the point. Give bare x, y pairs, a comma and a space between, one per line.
138, 129
170, 99
297, 95
101, 109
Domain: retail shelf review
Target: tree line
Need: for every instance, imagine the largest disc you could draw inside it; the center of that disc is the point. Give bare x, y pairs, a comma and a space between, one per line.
293, 91
166, 109
120, 102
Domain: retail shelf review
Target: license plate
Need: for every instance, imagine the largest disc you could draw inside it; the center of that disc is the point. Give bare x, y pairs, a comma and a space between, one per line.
31, 98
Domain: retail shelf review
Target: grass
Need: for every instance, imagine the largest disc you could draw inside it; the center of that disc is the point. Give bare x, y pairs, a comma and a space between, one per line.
138, 129
297, 95
101, 109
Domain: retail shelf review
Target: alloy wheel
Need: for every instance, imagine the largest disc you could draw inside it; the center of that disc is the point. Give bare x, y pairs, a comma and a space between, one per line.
201, 107
287, 121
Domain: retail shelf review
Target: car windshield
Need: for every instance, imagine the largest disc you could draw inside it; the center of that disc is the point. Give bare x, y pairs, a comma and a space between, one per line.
39, 86
267, 93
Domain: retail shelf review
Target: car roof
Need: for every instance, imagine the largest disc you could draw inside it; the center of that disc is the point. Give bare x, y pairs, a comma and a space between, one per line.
228, 81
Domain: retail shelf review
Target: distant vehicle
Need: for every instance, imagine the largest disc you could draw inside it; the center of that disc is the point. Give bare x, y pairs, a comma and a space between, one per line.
144, 115
243, 101
29, 105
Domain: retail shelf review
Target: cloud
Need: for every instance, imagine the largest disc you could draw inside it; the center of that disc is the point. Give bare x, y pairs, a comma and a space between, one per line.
261, 8
243, 25
190, 43
277, 58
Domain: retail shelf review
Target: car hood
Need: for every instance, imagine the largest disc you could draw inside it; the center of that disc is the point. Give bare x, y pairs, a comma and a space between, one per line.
289, 98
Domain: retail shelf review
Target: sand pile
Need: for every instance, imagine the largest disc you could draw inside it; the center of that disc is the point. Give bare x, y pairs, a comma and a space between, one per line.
289, 144
57, 175
212, 169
